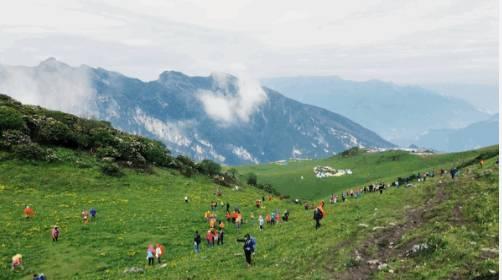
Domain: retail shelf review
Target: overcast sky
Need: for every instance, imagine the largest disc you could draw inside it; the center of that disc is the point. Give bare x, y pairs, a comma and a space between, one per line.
418, 42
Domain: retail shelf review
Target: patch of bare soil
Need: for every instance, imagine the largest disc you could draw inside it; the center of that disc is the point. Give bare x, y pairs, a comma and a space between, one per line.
383, 245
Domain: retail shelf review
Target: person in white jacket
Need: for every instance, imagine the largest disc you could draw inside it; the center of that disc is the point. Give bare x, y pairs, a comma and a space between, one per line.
261, 222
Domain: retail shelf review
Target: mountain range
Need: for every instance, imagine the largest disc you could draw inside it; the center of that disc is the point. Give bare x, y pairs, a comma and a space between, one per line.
400, 114
479, 134
220, 117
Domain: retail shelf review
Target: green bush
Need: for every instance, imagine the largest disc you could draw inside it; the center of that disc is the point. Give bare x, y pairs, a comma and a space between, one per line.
354, 151
10, 138
10, 118
53, 132
209, 167
252, 179
111, 169
31, 151
103, 152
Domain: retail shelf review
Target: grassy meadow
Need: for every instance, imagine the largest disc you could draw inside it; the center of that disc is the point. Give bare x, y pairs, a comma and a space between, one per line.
460, 223
366, 167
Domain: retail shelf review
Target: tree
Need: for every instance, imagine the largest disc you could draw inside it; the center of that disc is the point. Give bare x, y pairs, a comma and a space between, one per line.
252, 179
209, 167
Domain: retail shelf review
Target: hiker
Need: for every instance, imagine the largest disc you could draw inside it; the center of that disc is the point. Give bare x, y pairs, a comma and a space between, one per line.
263, 198
207, 215
272, 218
268, 219
221, 234
212, 222
228, 216
319, 214
196, 242
17, 261
277, 216
249, 247
258, 203
210, 238
335, 198
213, 205
228, 207
481, 163
150, 252
381, 188
93, 213
343, 197
41, 276
28, 212
285, 217
238, 220
55, 233
453, 173
234, 216
306, 206
186, 199
158, 252
261, 222
85, 216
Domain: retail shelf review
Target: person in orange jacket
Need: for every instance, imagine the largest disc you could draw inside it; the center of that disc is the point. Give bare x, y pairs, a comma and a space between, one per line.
28, 212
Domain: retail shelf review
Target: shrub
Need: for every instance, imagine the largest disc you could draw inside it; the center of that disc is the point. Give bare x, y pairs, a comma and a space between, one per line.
182, 161
252, 179
209, 167
29, 151
111, 169
54, 132
10, 138
10, 118
103, 152
354, 151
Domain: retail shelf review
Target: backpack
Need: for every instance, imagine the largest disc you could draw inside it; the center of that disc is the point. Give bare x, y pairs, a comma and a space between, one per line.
317, 214
253, 243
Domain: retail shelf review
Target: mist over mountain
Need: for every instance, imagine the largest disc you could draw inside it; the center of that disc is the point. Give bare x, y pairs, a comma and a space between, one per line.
220, 117
400, 114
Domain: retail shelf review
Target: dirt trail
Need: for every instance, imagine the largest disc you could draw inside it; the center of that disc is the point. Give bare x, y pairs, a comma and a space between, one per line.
386, 240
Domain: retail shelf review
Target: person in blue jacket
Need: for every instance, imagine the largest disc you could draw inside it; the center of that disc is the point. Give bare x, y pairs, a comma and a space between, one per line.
249, 247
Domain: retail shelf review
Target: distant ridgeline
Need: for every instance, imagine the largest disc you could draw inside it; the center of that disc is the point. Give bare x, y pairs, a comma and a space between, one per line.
33, 133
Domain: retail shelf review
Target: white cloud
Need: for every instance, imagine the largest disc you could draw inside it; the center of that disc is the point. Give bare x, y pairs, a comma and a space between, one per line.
402, 41
52, 85
227, 107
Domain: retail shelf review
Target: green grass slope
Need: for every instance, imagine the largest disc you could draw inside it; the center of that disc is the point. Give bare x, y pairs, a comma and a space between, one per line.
366, 167
60, 164
141, 208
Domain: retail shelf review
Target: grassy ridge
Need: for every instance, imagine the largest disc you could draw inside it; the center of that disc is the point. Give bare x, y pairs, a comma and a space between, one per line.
366, 168
140, 208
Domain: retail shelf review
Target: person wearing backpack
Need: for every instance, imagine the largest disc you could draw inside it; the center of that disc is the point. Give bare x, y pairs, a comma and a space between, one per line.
249, 247
317, 217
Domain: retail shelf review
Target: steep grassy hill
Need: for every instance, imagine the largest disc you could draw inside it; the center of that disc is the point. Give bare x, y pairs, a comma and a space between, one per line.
366, 167
436, 229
